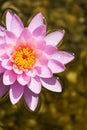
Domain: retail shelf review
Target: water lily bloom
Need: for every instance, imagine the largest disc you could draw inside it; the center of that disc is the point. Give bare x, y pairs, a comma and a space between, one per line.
29, 58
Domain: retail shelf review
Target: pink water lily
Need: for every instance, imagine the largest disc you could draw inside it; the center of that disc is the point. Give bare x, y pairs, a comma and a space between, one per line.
29, 58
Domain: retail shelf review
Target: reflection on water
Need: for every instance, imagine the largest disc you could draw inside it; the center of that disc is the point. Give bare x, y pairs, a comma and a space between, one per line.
56, 111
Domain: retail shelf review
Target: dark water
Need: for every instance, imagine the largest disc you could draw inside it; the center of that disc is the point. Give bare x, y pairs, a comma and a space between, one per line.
57, 111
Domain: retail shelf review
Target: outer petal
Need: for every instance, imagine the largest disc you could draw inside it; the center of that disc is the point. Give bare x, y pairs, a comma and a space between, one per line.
44, 72
7, 64
9, 16
23, 79
14, 23
40, 31
3, 88
55, 66
16, 92
36, 22
10, 38
54, 38
31, 99
51, 84
35, 85
1, 69
50, 50
63, 57
9, 77
2, 29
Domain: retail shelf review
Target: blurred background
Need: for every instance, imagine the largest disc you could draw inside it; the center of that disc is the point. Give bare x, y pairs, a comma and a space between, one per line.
56, 111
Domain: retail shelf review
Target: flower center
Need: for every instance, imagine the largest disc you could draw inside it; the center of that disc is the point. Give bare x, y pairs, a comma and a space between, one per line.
24, 57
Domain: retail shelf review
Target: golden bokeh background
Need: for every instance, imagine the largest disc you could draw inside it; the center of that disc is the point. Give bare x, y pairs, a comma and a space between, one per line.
56, 111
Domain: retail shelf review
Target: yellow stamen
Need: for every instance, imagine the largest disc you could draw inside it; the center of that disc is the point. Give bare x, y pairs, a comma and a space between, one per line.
24, 57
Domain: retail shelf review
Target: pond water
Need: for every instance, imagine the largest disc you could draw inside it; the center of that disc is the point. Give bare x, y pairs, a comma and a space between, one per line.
56, 111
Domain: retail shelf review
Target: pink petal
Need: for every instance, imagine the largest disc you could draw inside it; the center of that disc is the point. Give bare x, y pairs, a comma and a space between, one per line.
2, 52
63, 57
36, 22
55, 66
50, 50
7, 64
31, 99
2, 40
40, 31
16, 25
23, 79
1, 69
51, 84
3, 55
35, 85
2, 44
9, 77
17, 70
2, 30
44, 72
43, 60
31, 73
10, 38
40, 44
3, 88
16, 92
25, 35
54, 38
9, 16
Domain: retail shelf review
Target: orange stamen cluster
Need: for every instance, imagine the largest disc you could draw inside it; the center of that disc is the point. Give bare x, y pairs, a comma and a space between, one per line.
24, 57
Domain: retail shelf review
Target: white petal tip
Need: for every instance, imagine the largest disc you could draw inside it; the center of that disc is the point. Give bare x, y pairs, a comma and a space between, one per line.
62, 31
13, 102
60, 89
33, 109
72, 56
40, 14
9, 13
